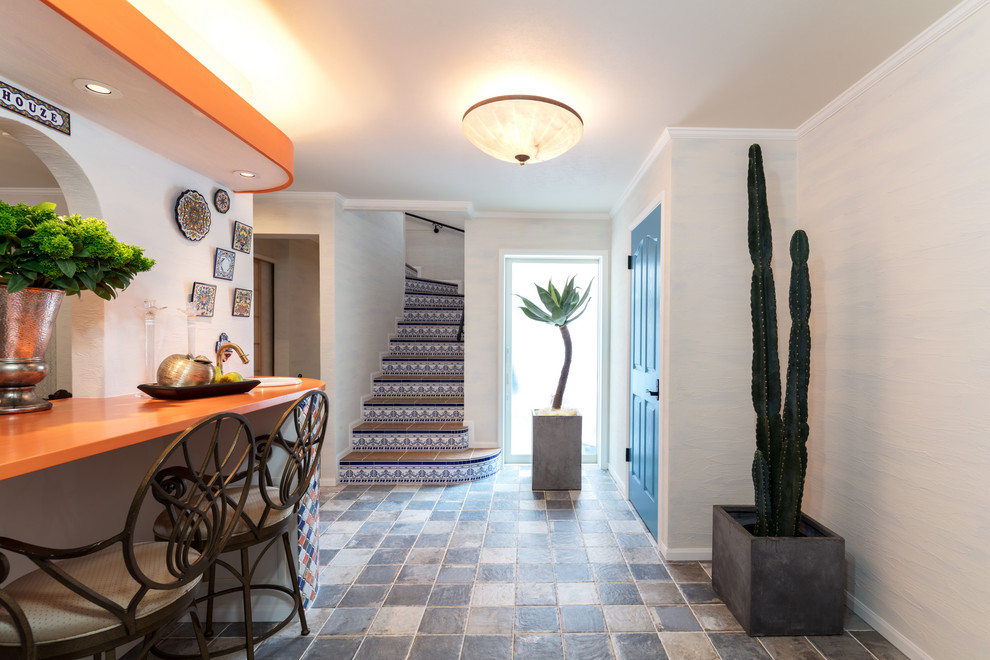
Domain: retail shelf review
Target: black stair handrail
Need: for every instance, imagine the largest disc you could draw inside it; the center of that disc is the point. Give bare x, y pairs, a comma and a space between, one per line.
436, 224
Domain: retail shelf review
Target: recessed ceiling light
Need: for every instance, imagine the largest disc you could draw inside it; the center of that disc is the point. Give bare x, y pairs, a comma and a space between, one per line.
97, 88
245, 174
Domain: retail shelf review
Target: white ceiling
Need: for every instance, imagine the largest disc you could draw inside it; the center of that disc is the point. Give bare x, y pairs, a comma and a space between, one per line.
371, 92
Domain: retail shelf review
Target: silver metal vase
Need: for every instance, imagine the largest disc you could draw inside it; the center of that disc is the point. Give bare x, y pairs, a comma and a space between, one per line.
27, 319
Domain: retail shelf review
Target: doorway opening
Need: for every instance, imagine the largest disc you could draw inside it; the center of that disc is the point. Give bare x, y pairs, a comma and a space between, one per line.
287, 318
533, 352
264, 316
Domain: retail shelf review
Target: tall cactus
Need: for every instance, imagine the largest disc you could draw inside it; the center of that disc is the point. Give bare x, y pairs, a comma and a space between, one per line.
781, 458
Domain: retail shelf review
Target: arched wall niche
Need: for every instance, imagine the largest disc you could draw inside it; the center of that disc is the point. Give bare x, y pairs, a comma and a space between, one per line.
80, 320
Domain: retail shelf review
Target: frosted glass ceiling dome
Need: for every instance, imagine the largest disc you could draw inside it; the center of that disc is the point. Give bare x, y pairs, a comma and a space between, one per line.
522, 129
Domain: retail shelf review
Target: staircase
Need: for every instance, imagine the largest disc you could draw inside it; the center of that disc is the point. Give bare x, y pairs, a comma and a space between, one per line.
412, 428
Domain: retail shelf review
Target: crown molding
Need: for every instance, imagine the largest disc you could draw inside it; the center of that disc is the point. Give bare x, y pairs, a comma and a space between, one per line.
695, 133
467, 208
933, 33
698, 133
651, 157
540, 215
331, 197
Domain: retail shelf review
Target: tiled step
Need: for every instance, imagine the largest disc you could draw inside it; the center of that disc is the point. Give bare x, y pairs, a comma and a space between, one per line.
434, 366
420, 409
417, 386
419, 466
410, 346
405, 436
432, 315
434, 301
423, 285
411, 329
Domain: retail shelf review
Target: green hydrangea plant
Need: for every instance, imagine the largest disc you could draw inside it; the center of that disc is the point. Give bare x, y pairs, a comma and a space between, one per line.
39, 248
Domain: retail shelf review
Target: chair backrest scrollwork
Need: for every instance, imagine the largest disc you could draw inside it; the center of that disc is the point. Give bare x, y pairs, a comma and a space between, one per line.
290, 454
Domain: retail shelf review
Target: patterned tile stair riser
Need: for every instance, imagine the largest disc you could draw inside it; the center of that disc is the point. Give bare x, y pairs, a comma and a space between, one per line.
416, 402
432, 315
411, 346
384, 387
404, 439
391, 410
357, 472
434, 301
427, 366
429, 330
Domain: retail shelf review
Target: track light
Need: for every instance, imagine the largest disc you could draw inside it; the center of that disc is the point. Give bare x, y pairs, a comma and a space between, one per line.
436, 228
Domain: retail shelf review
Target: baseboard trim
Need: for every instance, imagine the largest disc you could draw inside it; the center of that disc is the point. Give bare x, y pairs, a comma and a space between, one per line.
619, 481
892, 634
684, 554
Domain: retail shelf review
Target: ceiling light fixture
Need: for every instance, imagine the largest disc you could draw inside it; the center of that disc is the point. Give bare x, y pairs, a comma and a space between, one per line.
522, 129
96, 87
245, 174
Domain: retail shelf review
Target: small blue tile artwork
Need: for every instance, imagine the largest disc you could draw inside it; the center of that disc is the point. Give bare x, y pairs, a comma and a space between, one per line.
223, 265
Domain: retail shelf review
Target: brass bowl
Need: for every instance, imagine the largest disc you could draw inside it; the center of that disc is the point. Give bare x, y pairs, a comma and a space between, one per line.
179, 370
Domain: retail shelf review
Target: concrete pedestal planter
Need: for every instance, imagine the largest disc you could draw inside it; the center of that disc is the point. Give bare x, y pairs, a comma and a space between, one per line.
556, 452
778, 585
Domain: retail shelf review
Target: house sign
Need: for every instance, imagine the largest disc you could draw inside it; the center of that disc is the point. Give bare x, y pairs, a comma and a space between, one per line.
34, 108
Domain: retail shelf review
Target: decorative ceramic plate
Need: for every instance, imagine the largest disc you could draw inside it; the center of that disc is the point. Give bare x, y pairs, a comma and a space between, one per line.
193, 215
221, 200
197, 391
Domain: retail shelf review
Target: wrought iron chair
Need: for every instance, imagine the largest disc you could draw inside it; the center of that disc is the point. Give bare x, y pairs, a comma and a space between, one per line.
287, 461
90, 600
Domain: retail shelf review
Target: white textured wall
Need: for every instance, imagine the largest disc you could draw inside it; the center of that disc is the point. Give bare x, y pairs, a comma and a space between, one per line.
652, 189
293, 216
707, 426
369, 271
439, 256
135, 190
484, 238
711, 426
895, 191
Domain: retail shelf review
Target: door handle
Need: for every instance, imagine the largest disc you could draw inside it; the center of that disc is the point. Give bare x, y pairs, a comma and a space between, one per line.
654, 394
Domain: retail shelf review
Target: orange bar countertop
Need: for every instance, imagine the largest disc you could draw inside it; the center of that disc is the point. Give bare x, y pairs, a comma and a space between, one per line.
77, 428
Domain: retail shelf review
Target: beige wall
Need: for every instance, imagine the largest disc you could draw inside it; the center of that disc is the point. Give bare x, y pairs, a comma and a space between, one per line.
439, 256
894, 192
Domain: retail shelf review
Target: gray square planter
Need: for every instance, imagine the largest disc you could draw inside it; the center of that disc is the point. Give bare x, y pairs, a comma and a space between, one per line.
778, 585
556, 452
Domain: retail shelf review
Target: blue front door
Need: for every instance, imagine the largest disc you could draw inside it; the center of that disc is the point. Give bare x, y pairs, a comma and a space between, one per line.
644, 381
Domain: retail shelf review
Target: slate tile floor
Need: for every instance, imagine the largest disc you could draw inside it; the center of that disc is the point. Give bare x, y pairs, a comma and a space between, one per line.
493, 571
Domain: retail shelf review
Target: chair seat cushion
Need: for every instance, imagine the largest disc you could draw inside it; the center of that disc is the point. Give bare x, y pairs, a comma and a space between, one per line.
254, 508
55, 613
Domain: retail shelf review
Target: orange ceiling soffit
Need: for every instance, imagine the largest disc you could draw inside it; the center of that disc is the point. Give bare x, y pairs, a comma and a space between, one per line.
130, 34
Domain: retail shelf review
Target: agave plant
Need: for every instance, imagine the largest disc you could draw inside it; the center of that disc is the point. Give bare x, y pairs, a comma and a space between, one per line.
559, 309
